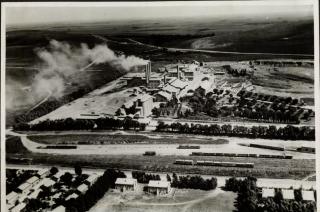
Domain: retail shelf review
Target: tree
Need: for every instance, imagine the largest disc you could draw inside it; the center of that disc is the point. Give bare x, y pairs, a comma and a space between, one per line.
168, 178
77, 170
54, 170
66, 178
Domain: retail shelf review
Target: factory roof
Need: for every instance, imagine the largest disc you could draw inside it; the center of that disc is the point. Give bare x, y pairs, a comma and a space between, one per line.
170, 89
164, 94
32, 179
158, 184
19, 207
287, 194
267, 192
178, 83
59, 209
308, 195
126, 181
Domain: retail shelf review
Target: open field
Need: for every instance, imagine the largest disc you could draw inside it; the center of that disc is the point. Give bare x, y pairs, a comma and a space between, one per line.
183, 200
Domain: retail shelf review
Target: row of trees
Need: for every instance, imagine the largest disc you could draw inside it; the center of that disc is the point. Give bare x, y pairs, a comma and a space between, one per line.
85, 201
142, 177
193, 182
250, 199
289, 132
83, 124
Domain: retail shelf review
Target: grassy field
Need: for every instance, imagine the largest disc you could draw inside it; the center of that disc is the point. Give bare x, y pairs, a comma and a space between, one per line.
118, 139
186, 200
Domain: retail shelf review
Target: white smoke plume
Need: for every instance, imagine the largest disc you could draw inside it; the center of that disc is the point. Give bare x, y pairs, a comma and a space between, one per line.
61, 60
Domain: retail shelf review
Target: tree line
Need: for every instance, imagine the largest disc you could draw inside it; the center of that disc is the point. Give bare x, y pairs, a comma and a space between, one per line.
82, 124
193, 182
142, 177
250, 199
85, 201
288, 132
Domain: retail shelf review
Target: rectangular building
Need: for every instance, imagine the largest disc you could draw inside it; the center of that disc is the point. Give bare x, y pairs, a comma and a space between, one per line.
159, 187
126, 184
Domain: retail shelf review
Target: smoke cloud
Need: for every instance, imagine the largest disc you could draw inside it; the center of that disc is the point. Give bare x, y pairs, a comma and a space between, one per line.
60, 60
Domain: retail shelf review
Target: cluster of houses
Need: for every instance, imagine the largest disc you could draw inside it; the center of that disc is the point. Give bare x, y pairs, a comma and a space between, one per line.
18, 199
157, 187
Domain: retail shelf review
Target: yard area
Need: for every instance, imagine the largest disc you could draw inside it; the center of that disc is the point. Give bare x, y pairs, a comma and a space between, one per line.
186, 200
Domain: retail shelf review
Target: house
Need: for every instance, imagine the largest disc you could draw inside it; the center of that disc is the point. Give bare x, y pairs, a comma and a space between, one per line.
43, 173
33, 180
72, 196
83, 188
267, 192
162, 97
171, 90
34, 194
57, 176
159, 187
126, 184
48, 182
59, 209
25, 188
12, 197
19, 208
91, 179
308, 195
287, 194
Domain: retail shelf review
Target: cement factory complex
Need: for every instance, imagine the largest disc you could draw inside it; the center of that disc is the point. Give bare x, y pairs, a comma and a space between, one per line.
178, 115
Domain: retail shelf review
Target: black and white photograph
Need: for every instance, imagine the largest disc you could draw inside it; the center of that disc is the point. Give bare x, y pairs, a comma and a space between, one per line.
208, 106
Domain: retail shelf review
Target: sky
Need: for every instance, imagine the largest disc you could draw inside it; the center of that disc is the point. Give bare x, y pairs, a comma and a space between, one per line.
35, 14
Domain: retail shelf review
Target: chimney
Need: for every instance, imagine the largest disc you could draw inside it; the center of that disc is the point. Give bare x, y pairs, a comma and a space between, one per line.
148, 72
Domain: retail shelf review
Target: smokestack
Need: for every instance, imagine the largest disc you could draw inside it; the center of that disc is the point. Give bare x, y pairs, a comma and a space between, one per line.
148, 72
178, 72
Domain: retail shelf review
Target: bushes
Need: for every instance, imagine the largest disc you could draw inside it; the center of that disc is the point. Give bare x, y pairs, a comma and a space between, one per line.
193, 182
142, 177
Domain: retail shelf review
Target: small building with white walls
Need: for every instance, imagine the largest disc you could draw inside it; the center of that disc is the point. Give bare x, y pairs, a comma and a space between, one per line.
267, 192
12, 197
126, 184
287, 194
33, 180
59, 209
83, 188
308, 195
19, 208
25, 188
159, 187
43, 173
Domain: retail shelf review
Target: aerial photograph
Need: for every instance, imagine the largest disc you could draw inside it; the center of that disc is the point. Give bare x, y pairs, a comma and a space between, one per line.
160, 106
